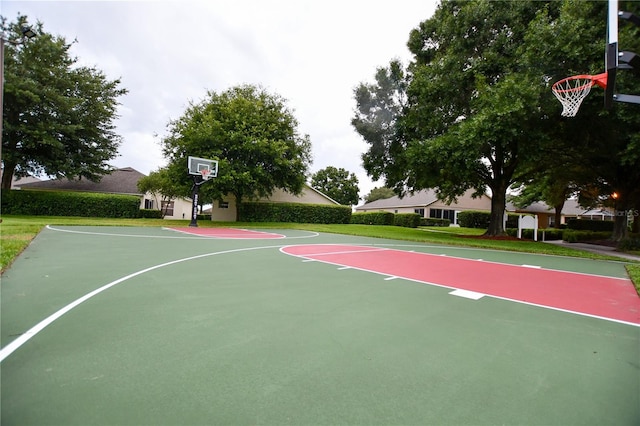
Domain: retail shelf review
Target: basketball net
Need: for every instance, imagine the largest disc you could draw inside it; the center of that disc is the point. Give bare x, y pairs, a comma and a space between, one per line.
571, 91
206, 174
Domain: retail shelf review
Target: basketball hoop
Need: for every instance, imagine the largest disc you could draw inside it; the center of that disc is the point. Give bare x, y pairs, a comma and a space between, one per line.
571, 91
206, 174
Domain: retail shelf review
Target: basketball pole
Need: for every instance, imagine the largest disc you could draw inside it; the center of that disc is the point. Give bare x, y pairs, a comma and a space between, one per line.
197, 181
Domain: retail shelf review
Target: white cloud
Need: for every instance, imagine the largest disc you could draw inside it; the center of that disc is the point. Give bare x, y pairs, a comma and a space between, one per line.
168, 53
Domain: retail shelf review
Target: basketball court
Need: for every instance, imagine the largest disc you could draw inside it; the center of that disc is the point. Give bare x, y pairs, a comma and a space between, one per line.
106, 325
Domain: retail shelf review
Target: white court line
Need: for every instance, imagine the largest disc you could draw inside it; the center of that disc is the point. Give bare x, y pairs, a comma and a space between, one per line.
468, 294
531, 266
336, 252
25, 337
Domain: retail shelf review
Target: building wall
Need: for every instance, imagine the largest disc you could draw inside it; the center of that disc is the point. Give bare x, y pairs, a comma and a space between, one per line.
227, 211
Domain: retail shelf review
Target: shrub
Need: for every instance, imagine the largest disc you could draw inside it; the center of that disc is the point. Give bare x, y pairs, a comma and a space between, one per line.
373, 218
430, 221
293, 212
590, 225
631, 243
547, 234
474, 219
150, 214
573, 236
408, 220
65, 203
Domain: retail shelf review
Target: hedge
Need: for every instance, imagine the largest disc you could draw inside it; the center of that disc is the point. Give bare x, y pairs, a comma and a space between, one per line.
293, 212
548, 234
373, 218
430, 221
150, 214
407, 220
64, 203
590, 225
573, 236
474, 219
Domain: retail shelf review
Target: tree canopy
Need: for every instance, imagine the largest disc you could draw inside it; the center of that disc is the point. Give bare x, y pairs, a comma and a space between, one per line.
253, 135
474, 108
338, 184
379, 194
58, 117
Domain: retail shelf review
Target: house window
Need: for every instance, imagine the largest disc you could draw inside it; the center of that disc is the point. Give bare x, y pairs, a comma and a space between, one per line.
167, 208
419, 211
443, 214
223, 204
148, 204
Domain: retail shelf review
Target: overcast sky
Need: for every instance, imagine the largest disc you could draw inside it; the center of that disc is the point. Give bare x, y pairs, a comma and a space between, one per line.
167, 53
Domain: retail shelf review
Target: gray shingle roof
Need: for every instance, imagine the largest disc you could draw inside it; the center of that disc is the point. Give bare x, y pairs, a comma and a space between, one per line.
419, 199
121, 181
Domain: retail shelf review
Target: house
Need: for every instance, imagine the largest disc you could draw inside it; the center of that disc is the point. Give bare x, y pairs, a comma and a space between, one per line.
426, 204
570, 210
225, 209
120, 181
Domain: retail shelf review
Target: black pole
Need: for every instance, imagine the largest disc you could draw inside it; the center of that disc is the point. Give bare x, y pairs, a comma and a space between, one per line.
197, 181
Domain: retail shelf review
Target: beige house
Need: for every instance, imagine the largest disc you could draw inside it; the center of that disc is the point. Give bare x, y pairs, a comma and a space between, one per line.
427, 204
225, 210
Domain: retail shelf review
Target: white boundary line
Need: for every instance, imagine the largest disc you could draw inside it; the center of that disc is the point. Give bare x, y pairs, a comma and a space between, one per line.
26, 336
454, 288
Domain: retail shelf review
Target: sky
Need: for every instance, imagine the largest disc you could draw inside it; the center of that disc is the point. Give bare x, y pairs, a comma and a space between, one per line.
170, 53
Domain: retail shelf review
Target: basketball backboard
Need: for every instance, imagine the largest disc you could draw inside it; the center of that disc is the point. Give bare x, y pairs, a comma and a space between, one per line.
198, 165
611, 53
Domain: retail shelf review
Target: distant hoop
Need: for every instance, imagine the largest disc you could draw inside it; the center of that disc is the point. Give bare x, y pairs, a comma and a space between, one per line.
571, 91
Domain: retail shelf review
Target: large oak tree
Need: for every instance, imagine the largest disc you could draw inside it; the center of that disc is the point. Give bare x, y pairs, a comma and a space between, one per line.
254, 136
474, 109
58, 117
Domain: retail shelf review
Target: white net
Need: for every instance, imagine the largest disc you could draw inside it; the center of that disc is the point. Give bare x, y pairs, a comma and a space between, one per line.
571, 92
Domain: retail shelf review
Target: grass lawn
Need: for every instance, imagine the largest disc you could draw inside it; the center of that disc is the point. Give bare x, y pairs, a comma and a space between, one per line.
16, 232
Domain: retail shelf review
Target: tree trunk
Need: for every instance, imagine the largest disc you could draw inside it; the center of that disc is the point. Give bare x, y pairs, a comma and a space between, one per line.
496, 222
238, 206
620, 225
7, 175
557, 215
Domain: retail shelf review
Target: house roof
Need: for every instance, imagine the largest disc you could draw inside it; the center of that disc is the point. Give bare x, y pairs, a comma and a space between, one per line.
120, 181
420, 198
570, 208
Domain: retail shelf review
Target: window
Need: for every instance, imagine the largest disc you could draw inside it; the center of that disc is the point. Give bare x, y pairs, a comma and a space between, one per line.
148, 204
223, 204
167, 208
419, 211
442, 214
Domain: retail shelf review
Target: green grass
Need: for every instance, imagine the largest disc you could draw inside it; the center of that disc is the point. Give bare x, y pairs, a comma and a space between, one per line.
16, 232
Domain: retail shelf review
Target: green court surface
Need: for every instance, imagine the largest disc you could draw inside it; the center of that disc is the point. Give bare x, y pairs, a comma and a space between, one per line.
198, 330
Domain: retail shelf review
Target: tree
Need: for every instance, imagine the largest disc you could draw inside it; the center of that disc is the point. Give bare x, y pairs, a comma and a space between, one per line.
379, 194
253, 135
160, 184
479, 114
58, 117
338, 184
597, 153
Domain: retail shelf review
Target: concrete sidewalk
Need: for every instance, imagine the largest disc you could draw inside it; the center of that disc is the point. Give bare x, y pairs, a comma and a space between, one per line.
595, 248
